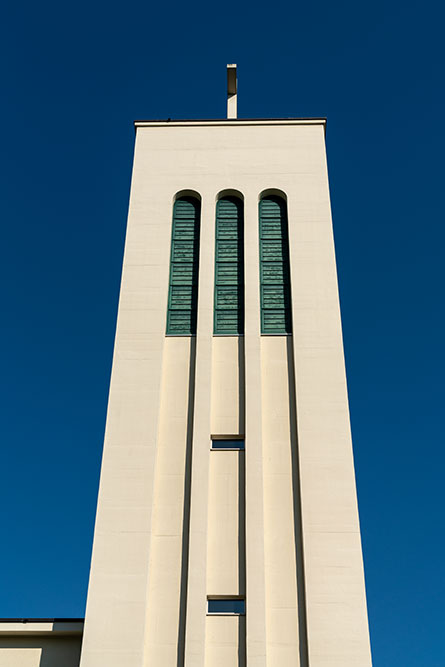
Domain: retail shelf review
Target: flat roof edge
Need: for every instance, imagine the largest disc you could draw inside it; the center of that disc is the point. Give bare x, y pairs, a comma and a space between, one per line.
229, 122
41, 626
42, 620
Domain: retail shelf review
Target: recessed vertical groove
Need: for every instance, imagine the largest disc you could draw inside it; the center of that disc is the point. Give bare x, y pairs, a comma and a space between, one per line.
242, 553
242, 639
186, 513
242, 388
298, 531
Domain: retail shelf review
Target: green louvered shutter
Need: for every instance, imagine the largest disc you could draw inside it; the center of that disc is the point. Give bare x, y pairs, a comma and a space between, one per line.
274, 267
229, 267
184, 266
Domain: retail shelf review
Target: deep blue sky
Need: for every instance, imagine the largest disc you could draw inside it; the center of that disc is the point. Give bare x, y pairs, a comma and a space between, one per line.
74, 77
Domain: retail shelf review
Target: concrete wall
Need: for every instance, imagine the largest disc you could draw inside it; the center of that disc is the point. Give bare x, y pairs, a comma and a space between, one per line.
40, 644
40, 652
174, 518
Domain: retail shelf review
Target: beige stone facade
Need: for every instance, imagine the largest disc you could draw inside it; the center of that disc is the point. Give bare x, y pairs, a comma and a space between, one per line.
179, 523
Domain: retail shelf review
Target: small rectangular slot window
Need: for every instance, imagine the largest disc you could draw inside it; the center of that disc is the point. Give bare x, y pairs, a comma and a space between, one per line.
228, 443
235, 606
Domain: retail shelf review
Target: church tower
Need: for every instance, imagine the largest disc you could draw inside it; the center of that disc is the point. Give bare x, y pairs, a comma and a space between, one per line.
227, 530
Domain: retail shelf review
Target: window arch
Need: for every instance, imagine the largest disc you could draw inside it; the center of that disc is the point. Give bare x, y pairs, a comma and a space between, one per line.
229, 266
275, 297
184, 266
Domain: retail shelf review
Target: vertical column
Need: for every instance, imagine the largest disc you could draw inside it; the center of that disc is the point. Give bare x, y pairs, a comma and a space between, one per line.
225, 635
255, 585
335, 591
280, 489
197, 594
226, 518
228, 385
169, 535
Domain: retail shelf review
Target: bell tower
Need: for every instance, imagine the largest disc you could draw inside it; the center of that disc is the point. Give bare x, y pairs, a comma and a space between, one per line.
227, 530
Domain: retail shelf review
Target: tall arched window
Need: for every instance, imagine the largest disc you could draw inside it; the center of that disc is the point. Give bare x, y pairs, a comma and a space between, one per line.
184, 267
276, 314
229, 266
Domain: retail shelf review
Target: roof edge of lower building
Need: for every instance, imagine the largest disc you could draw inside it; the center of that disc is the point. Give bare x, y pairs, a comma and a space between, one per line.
41, 626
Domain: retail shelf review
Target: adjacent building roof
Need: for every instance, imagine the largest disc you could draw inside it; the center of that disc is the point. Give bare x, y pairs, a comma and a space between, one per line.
41, 626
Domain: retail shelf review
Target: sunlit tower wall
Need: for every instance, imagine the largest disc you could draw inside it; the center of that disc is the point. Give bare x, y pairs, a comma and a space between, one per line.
227, 531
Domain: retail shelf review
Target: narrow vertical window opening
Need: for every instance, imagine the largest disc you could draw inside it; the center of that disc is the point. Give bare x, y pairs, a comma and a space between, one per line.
184, 267
229, 266
276, 317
